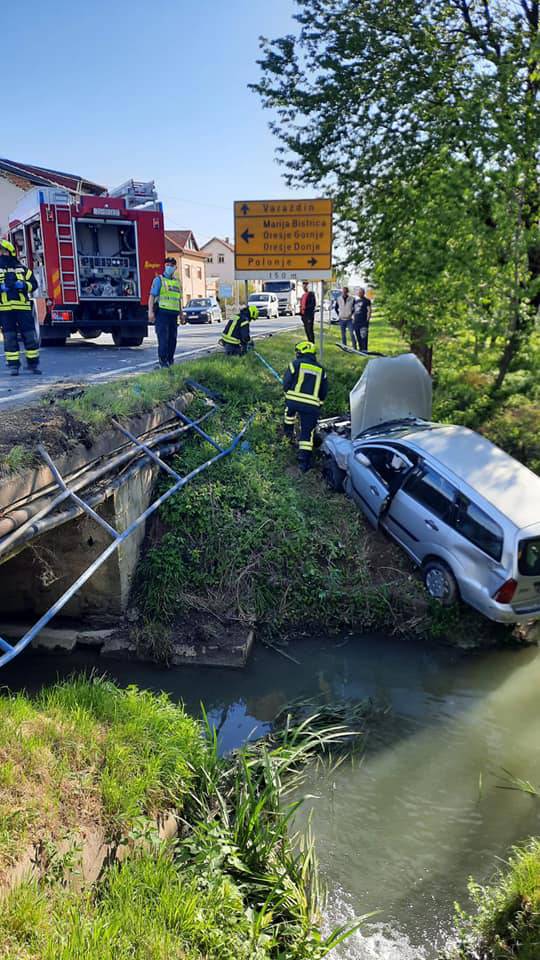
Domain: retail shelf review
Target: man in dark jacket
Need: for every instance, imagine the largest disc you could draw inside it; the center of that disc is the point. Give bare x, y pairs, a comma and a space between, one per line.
308, 305
361, 318
306, 385
17, 284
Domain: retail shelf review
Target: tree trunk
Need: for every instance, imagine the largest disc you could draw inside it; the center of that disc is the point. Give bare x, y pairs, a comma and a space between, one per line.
421, 348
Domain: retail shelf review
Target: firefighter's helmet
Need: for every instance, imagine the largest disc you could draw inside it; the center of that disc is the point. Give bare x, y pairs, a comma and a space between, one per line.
304, 346
8, 247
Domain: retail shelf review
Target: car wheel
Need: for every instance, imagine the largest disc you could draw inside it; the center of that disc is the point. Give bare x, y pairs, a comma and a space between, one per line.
440, 582
334, 475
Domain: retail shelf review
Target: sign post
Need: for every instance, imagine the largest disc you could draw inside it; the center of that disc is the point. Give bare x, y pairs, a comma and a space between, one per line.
321, 331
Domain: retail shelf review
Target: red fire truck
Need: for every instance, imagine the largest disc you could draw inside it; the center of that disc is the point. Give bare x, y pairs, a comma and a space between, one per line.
94, 258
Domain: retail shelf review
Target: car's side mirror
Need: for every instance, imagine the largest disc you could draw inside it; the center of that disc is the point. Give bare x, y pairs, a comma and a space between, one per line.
361, 458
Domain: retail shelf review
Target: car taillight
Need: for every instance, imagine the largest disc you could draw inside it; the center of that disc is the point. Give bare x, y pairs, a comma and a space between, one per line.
505, 594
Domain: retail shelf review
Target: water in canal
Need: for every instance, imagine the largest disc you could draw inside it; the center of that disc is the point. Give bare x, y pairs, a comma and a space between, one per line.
401, 832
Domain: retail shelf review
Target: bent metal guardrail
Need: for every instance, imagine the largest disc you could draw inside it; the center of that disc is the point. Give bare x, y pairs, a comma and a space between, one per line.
13, 650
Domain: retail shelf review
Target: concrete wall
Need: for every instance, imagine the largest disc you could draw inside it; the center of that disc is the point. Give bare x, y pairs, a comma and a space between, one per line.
34, 579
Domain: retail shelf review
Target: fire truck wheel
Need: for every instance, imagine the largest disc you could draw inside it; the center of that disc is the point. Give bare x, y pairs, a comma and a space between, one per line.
120, 340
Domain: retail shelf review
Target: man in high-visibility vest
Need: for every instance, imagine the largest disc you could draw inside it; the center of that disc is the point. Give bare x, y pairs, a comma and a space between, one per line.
164, 305
236, 334
306, 385
17, 284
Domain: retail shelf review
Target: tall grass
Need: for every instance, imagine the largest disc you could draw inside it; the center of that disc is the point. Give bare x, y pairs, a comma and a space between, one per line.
87, 752
243, 810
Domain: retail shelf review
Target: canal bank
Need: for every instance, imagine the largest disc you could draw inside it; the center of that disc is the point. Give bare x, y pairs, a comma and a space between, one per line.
402, 832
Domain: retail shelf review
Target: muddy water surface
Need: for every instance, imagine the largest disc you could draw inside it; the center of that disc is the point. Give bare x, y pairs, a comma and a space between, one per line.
401, 832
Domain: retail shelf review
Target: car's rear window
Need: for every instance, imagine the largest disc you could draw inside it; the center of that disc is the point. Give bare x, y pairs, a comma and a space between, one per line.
529, 557
475, 525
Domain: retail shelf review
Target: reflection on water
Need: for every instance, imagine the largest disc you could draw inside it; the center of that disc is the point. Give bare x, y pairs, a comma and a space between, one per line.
401, 833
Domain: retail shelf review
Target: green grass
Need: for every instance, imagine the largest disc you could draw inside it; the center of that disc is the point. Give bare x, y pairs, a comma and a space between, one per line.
19, 458
86, 751
236, 886
151, 908
506, 923
139, 394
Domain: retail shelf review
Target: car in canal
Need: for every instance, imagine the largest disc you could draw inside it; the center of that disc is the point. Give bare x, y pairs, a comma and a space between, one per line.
202, 310
466, 512
267, 304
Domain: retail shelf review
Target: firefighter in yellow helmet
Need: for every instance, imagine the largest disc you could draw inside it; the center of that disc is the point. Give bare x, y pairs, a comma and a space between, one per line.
17, 284
236, 335
306, 385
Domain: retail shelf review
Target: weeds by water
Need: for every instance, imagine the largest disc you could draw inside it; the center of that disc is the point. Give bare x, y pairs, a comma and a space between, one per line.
506, 924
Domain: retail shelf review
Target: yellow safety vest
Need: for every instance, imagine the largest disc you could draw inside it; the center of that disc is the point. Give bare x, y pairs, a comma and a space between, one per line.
169, 295
308, 384
10, 298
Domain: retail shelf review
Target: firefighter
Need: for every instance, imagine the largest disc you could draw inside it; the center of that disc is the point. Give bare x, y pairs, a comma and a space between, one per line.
165, 294
236, 335
17, 284
306, 385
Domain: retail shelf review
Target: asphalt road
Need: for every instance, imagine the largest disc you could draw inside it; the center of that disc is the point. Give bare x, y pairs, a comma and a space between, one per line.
95, 361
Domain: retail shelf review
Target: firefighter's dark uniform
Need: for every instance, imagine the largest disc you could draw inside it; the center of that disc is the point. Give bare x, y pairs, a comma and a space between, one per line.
236, 334
306, 385
17, 283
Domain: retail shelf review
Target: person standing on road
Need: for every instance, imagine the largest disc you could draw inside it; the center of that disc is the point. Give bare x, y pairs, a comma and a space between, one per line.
308, 305
164, 304
344, 308
17, 284
306, 385
361, 318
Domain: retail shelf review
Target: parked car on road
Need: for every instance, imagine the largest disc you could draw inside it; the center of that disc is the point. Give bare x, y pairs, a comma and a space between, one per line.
466, 512
202, 310
267, 304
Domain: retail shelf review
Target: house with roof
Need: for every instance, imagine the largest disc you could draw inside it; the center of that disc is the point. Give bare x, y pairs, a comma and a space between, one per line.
190, 262
220, 259
17, 178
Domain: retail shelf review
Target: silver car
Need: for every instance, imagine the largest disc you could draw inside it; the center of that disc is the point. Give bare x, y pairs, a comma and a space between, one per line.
466, 512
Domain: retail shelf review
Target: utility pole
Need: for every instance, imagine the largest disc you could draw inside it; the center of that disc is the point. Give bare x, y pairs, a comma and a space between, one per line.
321, 331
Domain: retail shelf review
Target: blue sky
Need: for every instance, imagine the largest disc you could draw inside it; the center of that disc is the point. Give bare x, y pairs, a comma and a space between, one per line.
156, 90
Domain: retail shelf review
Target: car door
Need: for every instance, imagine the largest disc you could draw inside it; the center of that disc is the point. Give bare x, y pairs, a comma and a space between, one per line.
420, 514
365, 486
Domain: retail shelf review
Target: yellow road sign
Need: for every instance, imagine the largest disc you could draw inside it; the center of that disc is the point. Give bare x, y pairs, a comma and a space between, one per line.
290, 236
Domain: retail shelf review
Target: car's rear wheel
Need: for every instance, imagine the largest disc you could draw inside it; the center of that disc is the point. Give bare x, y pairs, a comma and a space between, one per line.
334, 475
440, 582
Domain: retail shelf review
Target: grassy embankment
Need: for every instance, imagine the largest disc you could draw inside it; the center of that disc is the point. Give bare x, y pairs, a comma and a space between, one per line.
506, 923
234, 887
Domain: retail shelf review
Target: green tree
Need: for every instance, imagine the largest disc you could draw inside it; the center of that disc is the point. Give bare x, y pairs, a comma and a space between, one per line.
421, 117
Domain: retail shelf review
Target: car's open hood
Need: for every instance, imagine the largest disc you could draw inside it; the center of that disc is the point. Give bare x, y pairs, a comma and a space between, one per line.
390, 388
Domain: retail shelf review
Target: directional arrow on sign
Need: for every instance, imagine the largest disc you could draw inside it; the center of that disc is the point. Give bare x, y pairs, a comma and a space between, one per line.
244, 208
312, 262
247, 236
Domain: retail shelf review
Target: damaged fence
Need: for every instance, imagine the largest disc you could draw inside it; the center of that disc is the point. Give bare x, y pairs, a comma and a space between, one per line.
68, 493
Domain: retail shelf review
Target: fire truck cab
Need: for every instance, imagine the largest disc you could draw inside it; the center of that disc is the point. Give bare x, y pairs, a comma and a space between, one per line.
94, 258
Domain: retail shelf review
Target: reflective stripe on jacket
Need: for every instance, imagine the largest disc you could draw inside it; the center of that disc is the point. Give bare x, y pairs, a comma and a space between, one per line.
12, 298
237, 329
305, 381
169, 295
